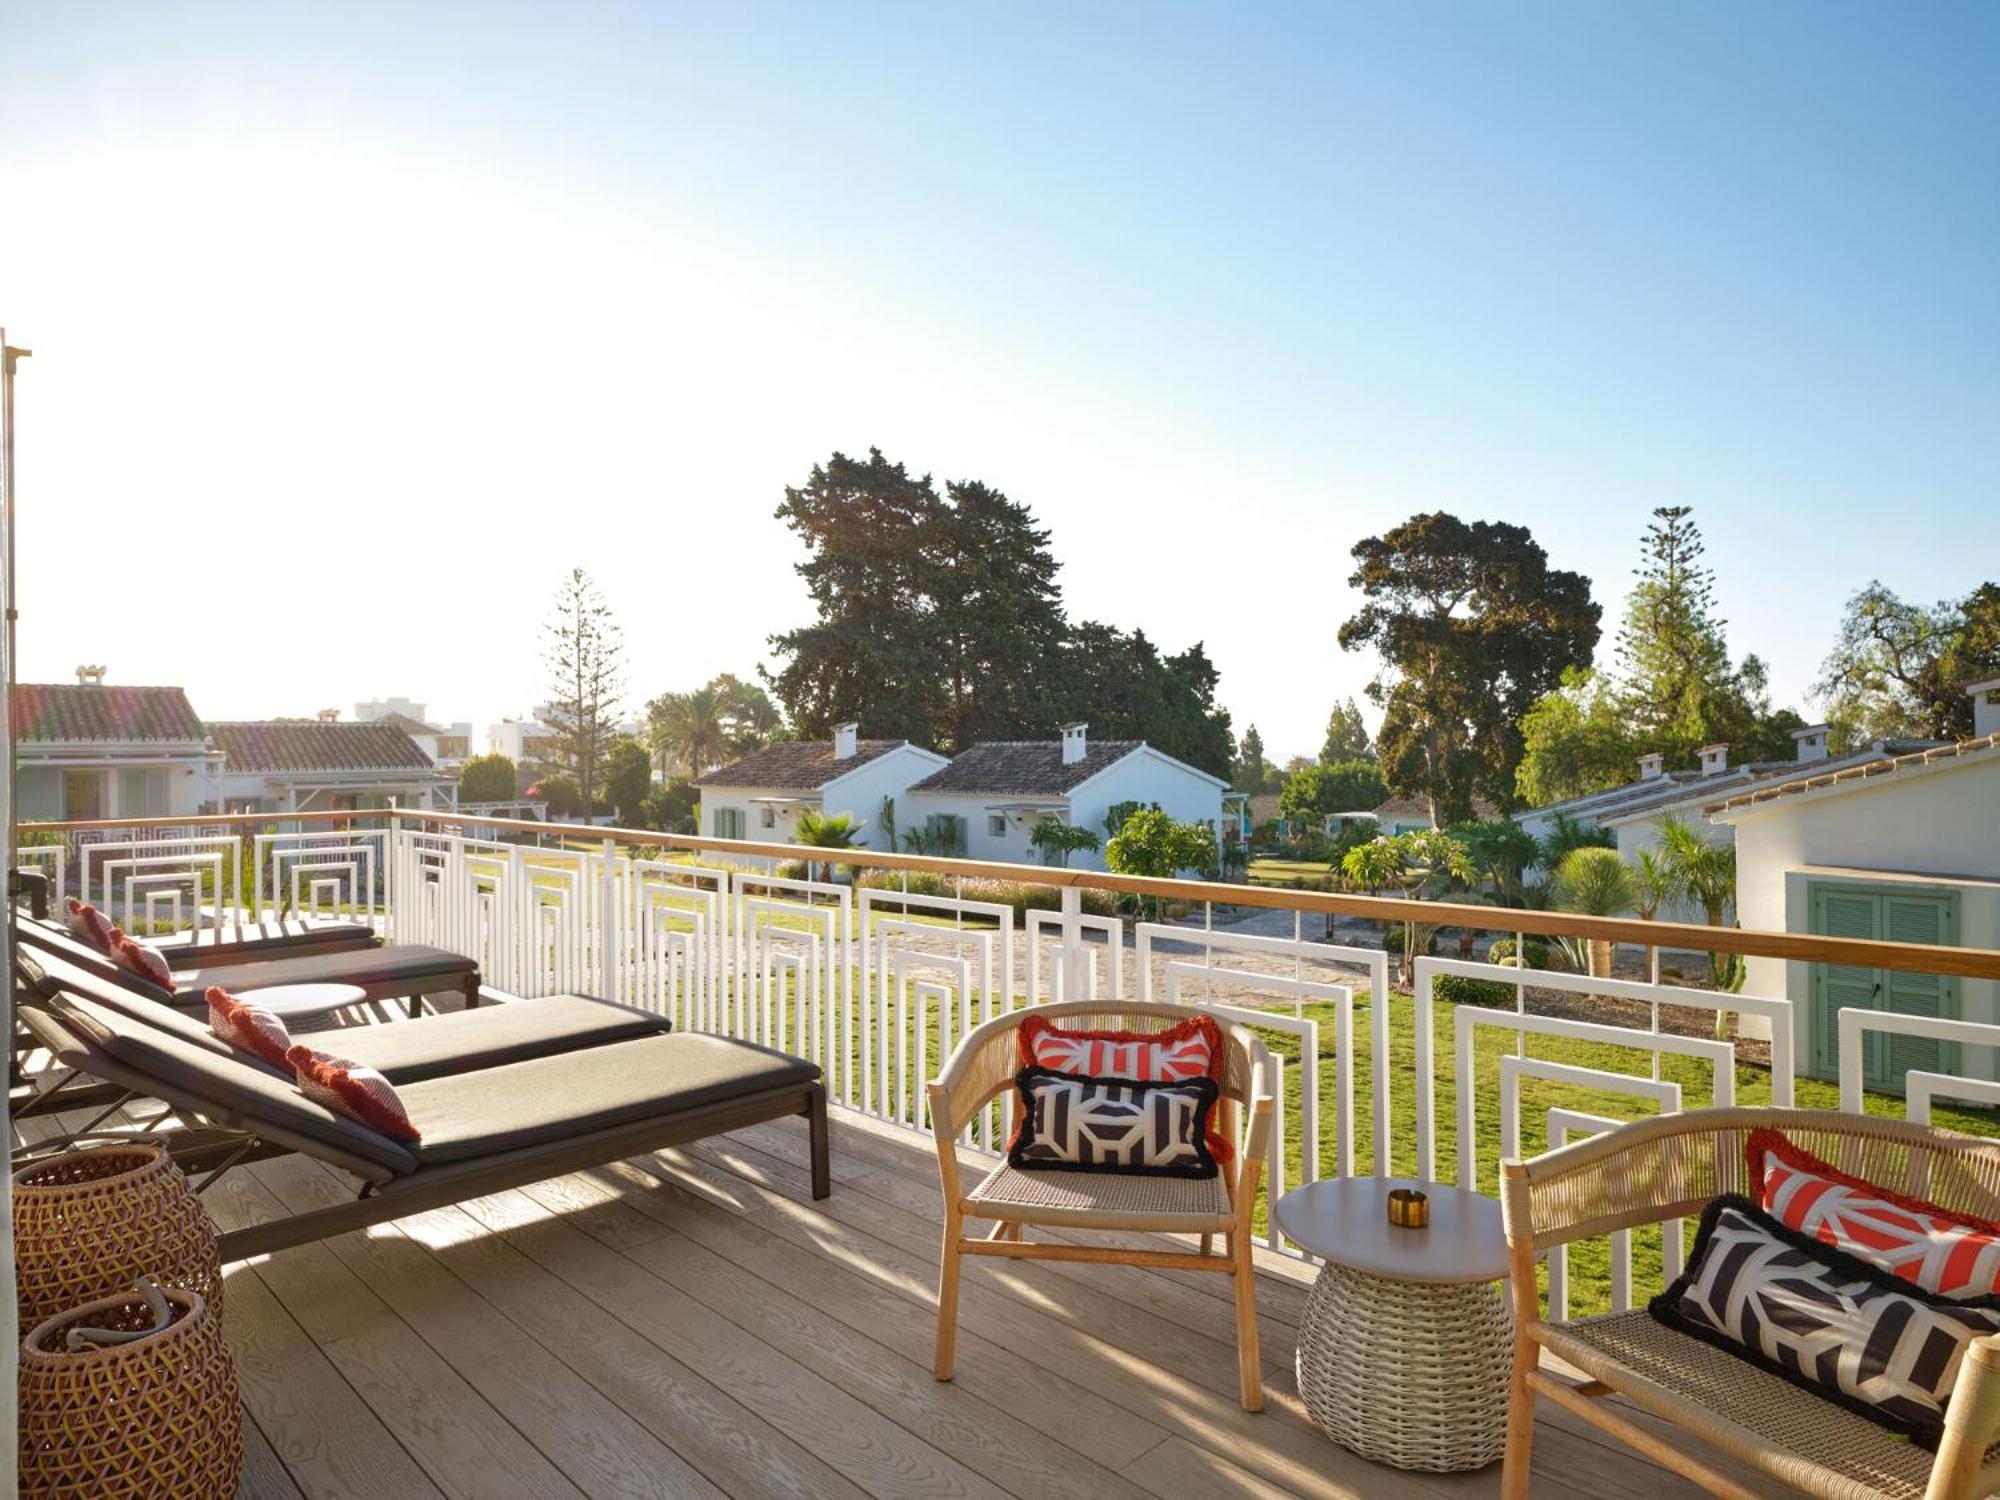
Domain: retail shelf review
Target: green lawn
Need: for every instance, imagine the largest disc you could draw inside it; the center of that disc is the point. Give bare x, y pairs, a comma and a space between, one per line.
1273, 871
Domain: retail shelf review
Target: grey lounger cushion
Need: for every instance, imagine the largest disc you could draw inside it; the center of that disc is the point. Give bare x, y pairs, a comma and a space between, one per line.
272, 938
227, 1088
550, 1098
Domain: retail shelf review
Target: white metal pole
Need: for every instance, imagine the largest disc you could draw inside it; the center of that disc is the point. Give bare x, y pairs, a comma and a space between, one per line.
10, 1333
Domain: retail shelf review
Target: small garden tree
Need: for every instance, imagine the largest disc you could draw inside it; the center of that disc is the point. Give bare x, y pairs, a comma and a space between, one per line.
1705, 874
1151, 843
1052, 836
1595, 882
628, 778
1411, 863
488, 778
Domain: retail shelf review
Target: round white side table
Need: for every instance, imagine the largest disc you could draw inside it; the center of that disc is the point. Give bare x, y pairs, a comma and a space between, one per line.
1406, 1341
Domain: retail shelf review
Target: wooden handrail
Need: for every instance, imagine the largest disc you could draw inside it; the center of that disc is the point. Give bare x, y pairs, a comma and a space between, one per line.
1861, 953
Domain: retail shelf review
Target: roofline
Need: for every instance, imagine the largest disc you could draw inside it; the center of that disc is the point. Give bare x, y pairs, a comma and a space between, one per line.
1142, 748
818, 786
1854, 778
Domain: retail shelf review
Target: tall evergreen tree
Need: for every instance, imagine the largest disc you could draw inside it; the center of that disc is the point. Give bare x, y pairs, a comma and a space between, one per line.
585, 662
1346, 735
996, 619
1472, 626
1679, 690
1248, 773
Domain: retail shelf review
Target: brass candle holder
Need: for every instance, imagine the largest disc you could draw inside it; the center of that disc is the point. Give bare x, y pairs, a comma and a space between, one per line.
1409, 1208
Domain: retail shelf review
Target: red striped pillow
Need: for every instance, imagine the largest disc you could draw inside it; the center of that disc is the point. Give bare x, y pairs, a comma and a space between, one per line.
1953, 1254
87, 925
249, 1027
348, 1088
1186, 1050
136, 958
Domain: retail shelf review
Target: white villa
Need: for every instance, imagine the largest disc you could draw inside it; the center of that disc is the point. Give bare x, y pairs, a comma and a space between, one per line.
997, 791
761, 795
1903, 847
86, 750
287, 765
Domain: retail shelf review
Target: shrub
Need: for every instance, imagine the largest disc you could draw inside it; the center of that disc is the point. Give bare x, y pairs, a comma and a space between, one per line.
1462, 991
1503, 950
1392, 940
792, 869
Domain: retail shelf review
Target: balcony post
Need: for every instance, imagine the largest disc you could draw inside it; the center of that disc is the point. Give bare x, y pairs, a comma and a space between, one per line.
1075, 967
607, 916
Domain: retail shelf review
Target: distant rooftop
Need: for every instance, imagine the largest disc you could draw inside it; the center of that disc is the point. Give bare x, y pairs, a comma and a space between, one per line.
1852, 769
1024, 767
91, 711
283, 745
795, 765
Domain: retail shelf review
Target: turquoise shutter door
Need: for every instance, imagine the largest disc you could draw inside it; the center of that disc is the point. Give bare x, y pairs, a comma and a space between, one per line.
1926, 918
1845, 914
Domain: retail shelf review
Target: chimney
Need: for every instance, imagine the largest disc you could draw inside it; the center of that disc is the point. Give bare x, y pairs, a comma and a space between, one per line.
1652, 767
1985, 707
1812, 741
1714, 759
90, 676
844, 741
1074, 745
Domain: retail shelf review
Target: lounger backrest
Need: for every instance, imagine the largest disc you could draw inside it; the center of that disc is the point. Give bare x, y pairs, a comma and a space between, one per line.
54, 976
224, 1087
51, 937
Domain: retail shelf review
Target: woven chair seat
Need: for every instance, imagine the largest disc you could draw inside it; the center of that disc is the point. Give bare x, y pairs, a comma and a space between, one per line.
1771, 1425
1102, 1200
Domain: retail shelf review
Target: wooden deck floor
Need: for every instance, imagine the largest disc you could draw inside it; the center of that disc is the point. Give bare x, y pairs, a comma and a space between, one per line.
691, 1324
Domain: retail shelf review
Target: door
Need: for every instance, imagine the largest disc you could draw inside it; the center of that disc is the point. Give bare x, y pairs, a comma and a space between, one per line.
83, 795
1839, 909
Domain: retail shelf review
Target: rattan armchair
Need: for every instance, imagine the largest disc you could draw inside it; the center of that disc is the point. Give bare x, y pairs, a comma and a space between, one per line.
1668, 1168
983, 1068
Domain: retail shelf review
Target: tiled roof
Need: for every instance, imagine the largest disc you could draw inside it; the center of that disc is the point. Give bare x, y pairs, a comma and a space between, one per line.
276, 745
795, 765
82, 711
407, 724
1817, 778
1034, 767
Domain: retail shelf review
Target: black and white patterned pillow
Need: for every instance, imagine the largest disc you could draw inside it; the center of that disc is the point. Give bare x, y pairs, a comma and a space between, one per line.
1073, 1123
1860, 1336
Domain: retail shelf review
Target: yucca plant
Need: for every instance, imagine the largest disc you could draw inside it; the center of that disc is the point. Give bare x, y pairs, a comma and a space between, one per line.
1652, 888
1705, 873
1595, 882
822, 830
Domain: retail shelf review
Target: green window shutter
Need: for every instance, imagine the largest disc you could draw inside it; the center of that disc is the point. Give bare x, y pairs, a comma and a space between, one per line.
1844, 914
1918, 919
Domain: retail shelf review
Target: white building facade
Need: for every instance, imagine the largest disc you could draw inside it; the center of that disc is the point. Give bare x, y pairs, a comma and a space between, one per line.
761, 796
87, 750
994, 793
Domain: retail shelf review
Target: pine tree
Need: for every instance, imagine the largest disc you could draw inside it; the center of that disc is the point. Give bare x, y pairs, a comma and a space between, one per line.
585, 665
1672, 654
1250, 767
1346, 735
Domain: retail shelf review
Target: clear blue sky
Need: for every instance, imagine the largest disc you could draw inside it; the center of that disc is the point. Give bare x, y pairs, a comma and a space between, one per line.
1216, 290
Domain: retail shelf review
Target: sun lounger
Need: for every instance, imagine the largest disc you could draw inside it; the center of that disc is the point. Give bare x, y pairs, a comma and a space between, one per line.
233, 940
484, 1129
399, 971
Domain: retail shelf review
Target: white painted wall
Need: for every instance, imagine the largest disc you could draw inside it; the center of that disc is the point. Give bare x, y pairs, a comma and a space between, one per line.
1940, 825
177, 784
859, 794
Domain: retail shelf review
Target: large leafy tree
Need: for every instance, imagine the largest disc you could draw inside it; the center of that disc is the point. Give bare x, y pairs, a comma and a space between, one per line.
585, 658
488, 778
1472, 626
628, 781
1311, 792
1899, 668
1575, 741
1125, 689
1346, 735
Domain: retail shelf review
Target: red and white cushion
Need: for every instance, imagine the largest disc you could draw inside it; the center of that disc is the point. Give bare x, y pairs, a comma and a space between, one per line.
1953, 1254
246, 1026
348, 1088
1187, 1050
136, 958
87, 925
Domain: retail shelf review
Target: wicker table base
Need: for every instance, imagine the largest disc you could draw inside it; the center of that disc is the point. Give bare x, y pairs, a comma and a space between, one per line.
1412, 1374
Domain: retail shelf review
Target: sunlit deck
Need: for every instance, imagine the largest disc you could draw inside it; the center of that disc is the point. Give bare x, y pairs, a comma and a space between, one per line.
692, 1324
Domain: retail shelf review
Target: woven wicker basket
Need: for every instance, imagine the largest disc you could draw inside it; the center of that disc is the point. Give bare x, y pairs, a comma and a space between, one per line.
87, 1222
158, 1417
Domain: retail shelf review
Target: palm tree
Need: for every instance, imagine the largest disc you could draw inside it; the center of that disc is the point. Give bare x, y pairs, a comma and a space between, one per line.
688, 729
1652, 888
1704, 873
1595, 882
822, 830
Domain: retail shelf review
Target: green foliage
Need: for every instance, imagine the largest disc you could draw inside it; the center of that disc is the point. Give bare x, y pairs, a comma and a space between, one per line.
1898, 669
585, 662
1566, 833
1311, 792
488, 778
938, 618
1115, 816
1537, 953
628, 781
1502, 851
1155, 844
1472, 626
699, 730
1051, 835
672, 807
1456, 989
1594, 882
1396, 938
940, 837
1251, 771
564, 799
1671, 650
823, 830
1575, 741
1346, 735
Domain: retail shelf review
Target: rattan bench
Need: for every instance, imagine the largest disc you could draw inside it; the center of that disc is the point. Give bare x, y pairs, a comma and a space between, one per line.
1669, 1168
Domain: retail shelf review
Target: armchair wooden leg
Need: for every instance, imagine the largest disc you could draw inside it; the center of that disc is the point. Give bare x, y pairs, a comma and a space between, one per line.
1249, 1359
947, 1328
1521, 1290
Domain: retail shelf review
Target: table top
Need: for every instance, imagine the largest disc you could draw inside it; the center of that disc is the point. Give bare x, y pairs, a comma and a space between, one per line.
283, 1000
1346, 1220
